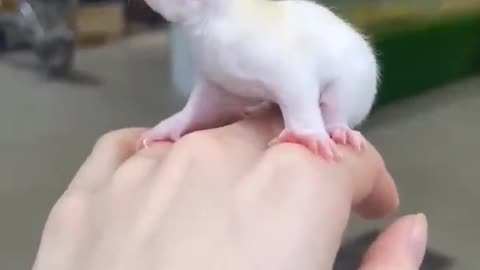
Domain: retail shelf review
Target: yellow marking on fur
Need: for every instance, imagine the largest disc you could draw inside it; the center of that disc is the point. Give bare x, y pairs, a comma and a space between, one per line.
266, 11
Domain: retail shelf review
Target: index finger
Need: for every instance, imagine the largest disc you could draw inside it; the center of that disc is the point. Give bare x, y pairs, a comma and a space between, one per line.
297, 189
372, 189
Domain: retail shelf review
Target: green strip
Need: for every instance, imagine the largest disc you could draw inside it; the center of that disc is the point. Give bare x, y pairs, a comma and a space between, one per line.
416, 56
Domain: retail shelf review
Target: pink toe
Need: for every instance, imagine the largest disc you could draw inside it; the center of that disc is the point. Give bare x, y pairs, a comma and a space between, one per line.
143, 142
284, 137
312, 146
289, 137
149, 138
323, 147
347, 136
325, 151
356, 139
339, 136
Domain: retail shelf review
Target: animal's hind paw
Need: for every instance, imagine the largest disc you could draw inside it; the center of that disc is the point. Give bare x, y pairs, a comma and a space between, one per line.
347, 136
319, 145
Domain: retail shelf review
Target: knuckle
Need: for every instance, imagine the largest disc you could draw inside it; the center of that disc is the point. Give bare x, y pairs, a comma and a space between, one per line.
284, 157
68, 212
109, 138
201, 143
116, 138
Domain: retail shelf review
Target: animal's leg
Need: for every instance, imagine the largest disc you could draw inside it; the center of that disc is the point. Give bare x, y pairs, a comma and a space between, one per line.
207, 107
303, 120
334, 106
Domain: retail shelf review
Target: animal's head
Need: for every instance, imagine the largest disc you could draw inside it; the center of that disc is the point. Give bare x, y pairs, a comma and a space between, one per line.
179, 10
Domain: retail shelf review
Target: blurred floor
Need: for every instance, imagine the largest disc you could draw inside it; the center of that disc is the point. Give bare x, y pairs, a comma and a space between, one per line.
430, 143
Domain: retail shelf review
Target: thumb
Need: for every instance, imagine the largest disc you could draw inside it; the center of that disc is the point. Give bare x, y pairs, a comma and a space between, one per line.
400, 247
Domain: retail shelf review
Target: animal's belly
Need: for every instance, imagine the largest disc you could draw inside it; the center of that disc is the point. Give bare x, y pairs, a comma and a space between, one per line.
247, 88
242, 85
237, 73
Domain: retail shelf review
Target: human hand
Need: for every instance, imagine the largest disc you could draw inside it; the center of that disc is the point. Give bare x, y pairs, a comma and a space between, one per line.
219, 199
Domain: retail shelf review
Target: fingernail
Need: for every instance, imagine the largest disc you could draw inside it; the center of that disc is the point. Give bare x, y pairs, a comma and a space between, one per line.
418, 238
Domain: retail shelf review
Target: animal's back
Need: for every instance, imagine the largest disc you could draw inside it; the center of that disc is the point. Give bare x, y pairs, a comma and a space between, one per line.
283, 38
327, 36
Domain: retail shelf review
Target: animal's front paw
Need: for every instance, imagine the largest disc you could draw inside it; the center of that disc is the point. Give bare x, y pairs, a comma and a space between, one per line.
319, 145
170, 129
347, 136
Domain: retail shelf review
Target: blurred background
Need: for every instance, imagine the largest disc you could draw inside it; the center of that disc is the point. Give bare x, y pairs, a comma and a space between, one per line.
73, 70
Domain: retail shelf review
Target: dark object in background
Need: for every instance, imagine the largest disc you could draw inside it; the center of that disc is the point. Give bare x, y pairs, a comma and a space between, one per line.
3, 44
137, 11
56, 54
45, 25
351, 254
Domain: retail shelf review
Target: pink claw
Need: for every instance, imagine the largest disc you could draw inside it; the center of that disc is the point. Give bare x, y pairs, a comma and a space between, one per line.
148, 138
323, 147
347, 136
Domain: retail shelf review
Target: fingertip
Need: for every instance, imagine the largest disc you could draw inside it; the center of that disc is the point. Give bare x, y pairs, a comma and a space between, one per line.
383, 199
418, 238
401, 246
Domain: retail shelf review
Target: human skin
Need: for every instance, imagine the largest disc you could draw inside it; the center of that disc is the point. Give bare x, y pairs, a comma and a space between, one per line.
223, 199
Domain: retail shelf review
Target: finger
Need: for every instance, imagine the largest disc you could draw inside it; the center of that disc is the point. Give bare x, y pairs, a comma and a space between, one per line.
303, 188
291, 190
401, 247
381, 200
368, 184
373, 188
363, 177
110, 151
374, 191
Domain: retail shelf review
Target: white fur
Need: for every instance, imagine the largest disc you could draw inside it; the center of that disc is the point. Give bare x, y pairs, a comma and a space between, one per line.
295, 53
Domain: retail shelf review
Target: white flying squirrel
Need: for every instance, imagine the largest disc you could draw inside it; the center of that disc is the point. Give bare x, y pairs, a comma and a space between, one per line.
252, 54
